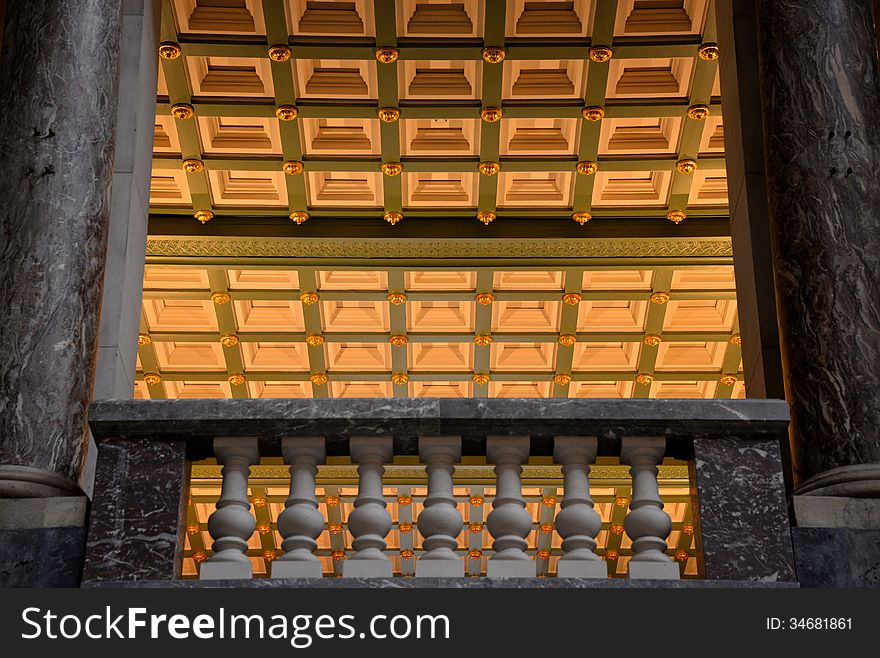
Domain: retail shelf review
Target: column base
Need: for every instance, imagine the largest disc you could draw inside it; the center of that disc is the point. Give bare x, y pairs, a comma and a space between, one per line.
226, 570
366, 569
653, 570
439, 569
856, 481
18, 481
296, 569
581, 569
511, 569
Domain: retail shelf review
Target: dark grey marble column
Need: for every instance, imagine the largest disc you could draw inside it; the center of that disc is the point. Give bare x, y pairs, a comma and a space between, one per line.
821, 108
139, 511
741, 511
58, 100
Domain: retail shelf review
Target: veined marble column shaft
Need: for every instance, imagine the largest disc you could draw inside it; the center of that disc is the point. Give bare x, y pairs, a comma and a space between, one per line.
58, 101
821, 108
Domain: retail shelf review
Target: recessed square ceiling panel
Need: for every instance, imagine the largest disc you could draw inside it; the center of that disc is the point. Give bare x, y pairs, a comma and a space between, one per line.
712, 140
171, 278
335, 79
181, 390
233, 17
605, 357
650, 78
440, 137
519, 389
618, 279
179, 315
520, 316
440, 18
345, 189
356, 316
262, 279
659, 17
359, 356
439, 79
704, 278
449, 279
441, 389
612, 315
438, 357
539, 137
531, 189
433, 189
351, 389
690, 357
709, 188
239, 135
352, 280
275, 357
259, 389
185, 356
549, 18
230, 77
165, 136
640, 136
528, 280
241, 189
544, 79
610, 389
440, 316
341, 18
521, 357
631, 188
169, 187
697, 390
700, 315
261, 315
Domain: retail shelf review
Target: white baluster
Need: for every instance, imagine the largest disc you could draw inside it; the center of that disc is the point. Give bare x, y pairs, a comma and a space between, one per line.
578, 523
647, 524
370, 522
300, 524
231, 525
509, 523
440, 522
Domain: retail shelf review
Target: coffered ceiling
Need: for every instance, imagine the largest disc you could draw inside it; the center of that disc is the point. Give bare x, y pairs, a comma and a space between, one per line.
440, 82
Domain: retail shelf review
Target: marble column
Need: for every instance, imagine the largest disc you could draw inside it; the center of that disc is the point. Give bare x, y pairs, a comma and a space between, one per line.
820, 95
58, 102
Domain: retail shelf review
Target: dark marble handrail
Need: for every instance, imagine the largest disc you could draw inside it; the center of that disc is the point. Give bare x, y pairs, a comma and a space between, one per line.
198, 421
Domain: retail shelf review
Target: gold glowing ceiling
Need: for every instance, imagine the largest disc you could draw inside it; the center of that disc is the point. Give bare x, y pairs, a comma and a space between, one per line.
278, 344
440, 82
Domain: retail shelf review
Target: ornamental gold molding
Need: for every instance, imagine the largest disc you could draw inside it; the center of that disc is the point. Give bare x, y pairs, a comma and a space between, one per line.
375, 248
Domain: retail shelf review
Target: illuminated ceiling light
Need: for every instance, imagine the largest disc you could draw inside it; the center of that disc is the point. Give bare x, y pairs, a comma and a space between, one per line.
481, 378
567, 340
152, 378
486, 216
169, 50
489, 168
572, 298
562, 379
319, 379
476, 501
493, 54
193, 166
309, 298
600, 53
387, 54
698, 112
645, 378
292, 167
652, 340
236, 379
144, 339
229, 340
593, 113
392, 217
279, 53
220, 298
727, 379
659, 297
315, 340
299, 216
391, 168
581, 217
398, 340
736, 339
286, 112
484, 298
482, 339
676, 216
491, 114
399, 378
587, 167
396, 298
389, 114
203, 215
686, 166
182, 111
708, 51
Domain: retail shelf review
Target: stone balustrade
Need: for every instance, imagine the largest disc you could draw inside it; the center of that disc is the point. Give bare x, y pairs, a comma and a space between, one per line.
733, 447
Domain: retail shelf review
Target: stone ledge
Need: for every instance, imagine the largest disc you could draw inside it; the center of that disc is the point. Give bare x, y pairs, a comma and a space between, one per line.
30, 513
443, 583
837, 512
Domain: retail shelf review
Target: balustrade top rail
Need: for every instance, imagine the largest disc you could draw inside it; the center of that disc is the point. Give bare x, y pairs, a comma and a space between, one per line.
199, 421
